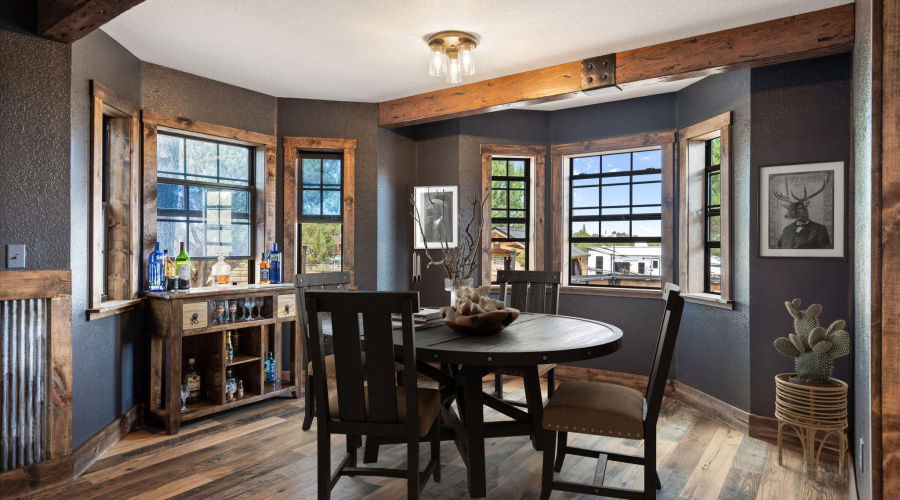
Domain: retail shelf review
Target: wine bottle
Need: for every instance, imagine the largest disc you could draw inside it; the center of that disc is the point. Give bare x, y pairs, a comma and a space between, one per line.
274, 264
183, 268
192, 379
156, 268
263, 270
270, 368
171, 277
240, 390
229, 348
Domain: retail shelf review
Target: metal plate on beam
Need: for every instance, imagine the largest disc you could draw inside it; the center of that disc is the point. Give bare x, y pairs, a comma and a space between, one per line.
598, 73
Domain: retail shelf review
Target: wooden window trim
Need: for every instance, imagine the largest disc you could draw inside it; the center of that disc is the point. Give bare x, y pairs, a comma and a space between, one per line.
559, 153
125, 267
538, 157
691, 220
293, 146
264, 174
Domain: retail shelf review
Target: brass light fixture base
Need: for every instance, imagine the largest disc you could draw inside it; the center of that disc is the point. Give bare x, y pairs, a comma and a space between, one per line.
451, 40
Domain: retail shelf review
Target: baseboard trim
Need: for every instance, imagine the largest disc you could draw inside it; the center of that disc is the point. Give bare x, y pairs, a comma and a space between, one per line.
766, 429
716, 408
96, 446
32, 478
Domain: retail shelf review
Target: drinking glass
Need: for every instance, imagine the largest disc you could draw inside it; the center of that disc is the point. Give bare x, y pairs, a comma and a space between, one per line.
232, 308
185, 393
248, 304
242, 303
259, 303
220, 310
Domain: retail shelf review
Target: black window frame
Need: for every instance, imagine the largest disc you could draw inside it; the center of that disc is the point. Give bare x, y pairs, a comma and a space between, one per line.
507, 221
186, 184
710, 211
630, 217
321, 218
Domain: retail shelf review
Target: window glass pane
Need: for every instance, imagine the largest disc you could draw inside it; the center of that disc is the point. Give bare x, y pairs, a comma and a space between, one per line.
647, 177
615, 196
331, 202
517, 214
331, 172
715, 151
516, 168
312, 202
621, 264
616, 163
585, 229
498, 184
590, 212
234, 163
644, 160
312, 171
615, 229
170, 196
498, 168
517, 184
517, 231
715, 230
646, 194
321, 243
517, 198
585, 197
715, 189
714, 257
586, 165
169, 153
201, 157
646, 228
499, 214
170, 234
646, 210
616, 211
498, 199
195, 198
503, 229
585, 182
616, 179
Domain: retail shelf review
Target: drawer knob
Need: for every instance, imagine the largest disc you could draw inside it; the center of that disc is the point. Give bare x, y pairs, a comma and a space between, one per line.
287, 308
195, 318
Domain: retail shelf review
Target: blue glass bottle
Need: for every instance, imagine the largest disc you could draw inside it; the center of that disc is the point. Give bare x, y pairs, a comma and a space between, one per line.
274, 264
270, 368
156, 270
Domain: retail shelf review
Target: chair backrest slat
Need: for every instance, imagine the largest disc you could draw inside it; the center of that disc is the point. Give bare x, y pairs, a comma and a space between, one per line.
665, 350
529, 290
348, 367
313, 281
380, 367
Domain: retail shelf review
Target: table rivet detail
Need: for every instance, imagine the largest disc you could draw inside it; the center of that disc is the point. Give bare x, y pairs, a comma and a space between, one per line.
435, 355
544, 357
589, 353
490, 359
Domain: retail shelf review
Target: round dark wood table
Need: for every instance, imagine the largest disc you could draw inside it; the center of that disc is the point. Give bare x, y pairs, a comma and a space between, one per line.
533, 339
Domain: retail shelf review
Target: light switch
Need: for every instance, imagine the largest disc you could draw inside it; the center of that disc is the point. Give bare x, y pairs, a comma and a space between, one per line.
15, 256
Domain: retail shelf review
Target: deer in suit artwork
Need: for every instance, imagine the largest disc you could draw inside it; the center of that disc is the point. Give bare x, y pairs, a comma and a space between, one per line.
803, 233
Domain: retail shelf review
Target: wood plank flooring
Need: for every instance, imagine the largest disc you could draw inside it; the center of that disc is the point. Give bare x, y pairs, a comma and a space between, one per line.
259, 451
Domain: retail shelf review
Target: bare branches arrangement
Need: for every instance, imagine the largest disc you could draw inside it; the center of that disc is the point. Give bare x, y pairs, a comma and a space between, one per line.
461, 262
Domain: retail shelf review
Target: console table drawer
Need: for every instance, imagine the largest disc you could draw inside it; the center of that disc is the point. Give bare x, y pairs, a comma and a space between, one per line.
194, 315
286, 306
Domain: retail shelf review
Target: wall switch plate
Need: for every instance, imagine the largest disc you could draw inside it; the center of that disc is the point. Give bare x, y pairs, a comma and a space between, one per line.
862, 457
15, 256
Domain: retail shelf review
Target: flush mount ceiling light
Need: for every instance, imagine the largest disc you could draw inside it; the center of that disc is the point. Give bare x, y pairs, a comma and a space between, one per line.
452, 55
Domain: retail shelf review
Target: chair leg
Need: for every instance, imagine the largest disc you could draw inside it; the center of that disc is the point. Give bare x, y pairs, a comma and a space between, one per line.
561, 450
650, 475
370, 456
551, 382
309, 407
323, 458
498, 384
412, 469
549, 439
658, 482
436, 455
352, 445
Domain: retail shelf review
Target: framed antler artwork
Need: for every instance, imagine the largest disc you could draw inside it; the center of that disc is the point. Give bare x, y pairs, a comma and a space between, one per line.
801, 210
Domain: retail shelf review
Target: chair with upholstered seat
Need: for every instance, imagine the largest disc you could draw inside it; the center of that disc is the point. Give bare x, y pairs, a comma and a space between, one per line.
602, 409
529, 294
302, 283
404, 412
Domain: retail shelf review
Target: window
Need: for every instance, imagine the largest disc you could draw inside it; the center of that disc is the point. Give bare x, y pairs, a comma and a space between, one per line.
510, 213
205, 199
615, 209
704, 221
513, 182
115, 204
321, 212
598, 263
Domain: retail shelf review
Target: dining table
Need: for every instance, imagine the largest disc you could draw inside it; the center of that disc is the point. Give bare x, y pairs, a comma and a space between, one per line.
459, 362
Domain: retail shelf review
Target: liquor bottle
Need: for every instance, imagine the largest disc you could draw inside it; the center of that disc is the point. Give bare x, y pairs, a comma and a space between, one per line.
270, 368
221, 272
192, 379
183, 268
230, 386
171, 277
156, 268
274, 264
263, 270
240, 391
229, 348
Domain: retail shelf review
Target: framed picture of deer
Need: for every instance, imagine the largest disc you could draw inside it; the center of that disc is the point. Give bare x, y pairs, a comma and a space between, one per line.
802, 210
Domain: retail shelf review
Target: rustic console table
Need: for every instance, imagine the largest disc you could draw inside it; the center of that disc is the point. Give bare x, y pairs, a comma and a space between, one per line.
185, 324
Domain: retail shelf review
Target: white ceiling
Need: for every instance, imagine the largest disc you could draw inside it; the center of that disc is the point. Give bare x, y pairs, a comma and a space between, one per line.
374, 50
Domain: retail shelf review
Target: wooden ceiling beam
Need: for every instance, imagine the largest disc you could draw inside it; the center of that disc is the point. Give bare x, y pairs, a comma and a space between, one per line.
804, 36
70, 20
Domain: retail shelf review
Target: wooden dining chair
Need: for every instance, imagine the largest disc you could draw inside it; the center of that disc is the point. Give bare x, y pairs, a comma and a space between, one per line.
529, 295
373, 405
603, 409
302, 283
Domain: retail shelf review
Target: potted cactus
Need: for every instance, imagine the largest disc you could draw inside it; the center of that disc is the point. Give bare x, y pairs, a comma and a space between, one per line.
812, 346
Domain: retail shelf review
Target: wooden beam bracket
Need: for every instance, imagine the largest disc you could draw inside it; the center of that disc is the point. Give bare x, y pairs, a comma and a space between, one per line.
598, 73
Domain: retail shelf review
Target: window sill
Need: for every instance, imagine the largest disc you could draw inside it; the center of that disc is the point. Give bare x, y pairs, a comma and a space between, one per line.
708, 299
612, 292
113, 307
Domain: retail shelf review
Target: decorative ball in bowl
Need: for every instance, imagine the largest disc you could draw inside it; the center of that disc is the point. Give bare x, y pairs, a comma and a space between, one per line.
476, 313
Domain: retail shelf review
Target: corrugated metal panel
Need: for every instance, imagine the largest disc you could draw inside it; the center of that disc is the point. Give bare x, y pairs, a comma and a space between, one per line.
23, 337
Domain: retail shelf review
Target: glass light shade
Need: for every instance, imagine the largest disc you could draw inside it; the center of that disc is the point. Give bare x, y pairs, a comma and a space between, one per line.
437, 62
467, 59
453, 71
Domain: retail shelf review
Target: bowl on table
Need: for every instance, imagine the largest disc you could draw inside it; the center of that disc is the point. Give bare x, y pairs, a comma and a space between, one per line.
476, 313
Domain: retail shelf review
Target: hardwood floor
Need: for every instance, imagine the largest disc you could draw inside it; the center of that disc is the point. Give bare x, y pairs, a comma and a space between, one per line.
259, 451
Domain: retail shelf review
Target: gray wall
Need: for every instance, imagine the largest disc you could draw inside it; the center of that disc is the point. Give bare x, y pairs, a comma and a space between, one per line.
34, 149
801, 114
110, 369
396, 173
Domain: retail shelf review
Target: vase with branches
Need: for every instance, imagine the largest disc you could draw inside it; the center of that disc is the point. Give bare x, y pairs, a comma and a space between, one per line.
459, 263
